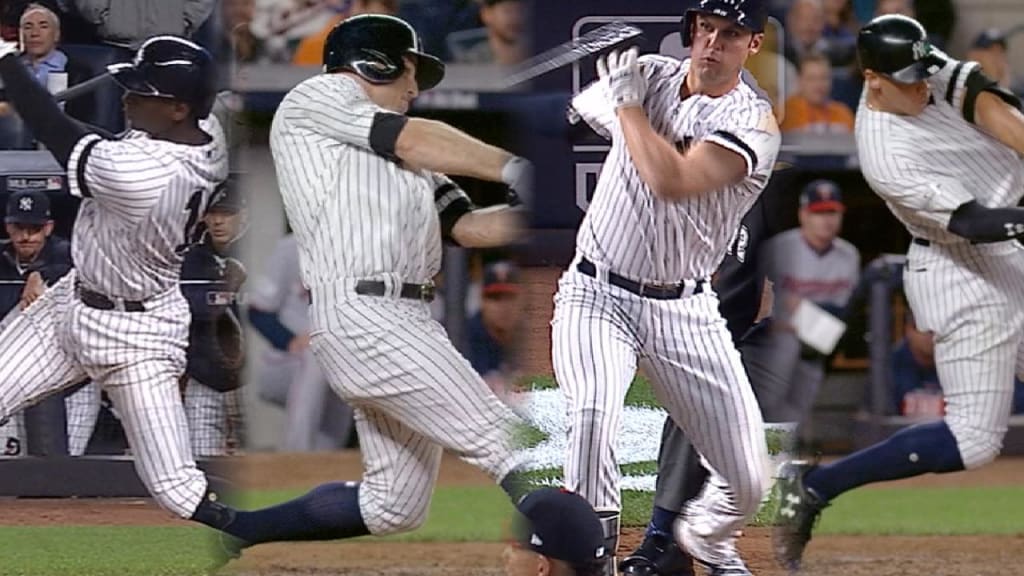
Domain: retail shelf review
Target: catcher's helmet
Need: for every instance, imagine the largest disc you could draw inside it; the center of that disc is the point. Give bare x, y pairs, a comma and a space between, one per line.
751, 14
373, 46
170, 67
898, 47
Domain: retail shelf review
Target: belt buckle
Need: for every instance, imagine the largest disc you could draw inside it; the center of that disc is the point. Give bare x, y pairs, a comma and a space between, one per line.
427, 292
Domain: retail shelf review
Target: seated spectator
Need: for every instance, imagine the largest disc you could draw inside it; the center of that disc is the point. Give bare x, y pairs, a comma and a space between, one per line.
237, 42
901, 7
31, 260
501, 41
128, 28
310, 51
805, 26
493, 331
811, 110
916, 390
989, 50
840, 32
40, 33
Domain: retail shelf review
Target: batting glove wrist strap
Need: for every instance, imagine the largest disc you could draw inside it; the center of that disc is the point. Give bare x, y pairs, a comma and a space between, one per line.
626, 83
517, 174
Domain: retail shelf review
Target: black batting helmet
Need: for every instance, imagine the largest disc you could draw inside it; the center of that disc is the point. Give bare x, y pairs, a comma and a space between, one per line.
373, 46
170, 67
750, 14
898, 47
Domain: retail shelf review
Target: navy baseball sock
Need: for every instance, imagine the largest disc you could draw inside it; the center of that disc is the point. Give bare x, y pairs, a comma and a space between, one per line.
661, 522
910, 452
327, 512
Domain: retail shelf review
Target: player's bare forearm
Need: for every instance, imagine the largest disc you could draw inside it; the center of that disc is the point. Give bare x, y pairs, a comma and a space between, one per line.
489, 227
1000, 120
672, 175
438, 147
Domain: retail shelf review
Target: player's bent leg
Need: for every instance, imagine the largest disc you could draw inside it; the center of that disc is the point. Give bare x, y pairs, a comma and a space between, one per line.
33, 363
400, 472
594, 359
148, 399
83, 409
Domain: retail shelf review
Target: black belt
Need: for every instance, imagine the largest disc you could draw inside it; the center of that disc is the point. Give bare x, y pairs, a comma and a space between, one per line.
655, 291
101, 302
424, 292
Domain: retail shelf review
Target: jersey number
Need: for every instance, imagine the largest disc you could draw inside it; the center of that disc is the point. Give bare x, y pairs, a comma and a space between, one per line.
191, 235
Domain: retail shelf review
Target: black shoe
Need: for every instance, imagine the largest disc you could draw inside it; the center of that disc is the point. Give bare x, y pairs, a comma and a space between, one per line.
658, 556
798, 512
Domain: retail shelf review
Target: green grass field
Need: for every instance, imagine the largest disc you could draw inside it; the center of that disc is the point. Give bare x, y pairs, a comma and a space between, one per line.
468, 513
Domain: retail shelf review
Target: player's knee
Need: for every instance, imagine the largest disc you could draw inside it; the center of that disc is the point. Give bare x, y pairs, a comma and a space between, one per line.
398, 518
978, 446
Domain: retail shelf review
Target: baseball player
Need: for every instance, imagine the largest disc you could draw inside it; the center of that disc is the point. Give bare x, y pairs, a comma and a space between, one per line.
288, 374
557, 533
30, 260
809, 263
692, 148
964, 277
741, 283
119, 317
211, 280
364, 194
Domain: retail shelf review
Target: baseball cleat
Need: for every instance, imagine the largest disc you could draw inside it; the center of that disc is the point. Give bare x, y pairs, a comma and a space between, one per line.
657, 556
799, 510
225, 549
717, 559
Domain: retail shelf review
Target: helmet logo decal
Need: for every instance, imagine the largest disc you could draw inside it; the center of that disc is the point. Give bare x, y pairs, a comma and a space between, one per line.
921, 49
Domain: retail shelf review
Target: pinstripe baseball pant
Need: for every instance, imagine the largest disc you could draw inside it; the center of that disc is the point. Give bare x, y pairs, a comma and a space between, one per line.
136, 357
600, 334
413, 395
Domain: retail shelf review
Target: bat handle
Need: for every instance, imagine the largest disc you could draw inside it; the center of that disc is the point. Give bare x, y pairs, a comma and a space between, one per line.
81, 88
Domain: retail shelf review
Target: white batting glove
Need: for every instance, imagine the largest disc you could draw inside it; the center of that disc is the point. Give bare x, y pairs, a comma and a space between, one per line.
8, 48
517, 174
626, 83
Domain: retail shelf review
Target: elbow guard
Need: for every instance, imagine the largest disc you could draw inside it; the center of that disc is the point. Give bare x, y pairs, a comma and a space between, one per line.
983, 225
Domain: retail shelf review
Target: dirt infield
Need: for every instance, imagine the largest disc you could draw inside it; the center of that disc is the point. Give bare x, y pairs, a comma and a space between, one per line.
828, 556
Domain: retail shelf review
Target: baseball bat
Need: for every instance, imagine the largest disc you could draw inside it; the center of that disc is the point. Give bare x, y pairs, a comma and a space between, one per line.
572, 51
83, 87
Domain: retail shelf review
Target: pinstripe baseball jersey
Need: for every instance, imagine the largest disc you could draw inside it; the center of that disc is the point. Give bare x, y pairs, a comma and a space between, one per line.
355, 214
924, 167
142, 200
638, 235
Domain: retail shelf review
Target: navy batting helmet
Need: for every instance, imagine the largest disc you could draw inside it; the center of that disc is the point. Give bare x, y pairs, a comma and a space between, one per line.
898, 47
373, 46
170, 67
750, 14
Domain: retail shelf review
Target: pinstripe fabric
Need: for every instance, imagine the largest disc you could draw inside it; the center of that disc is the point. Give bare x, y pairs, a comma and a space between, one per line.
646, 238
206, 414
970, 296
83, 408
358, 215
131, 225
924, 167
138, 194
601, 333
355, 214
395, 365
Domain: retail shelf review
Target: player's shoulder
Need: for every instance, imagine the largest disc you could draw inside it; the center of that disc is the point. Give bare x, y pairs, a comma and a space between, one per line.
945, 82
324, 88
